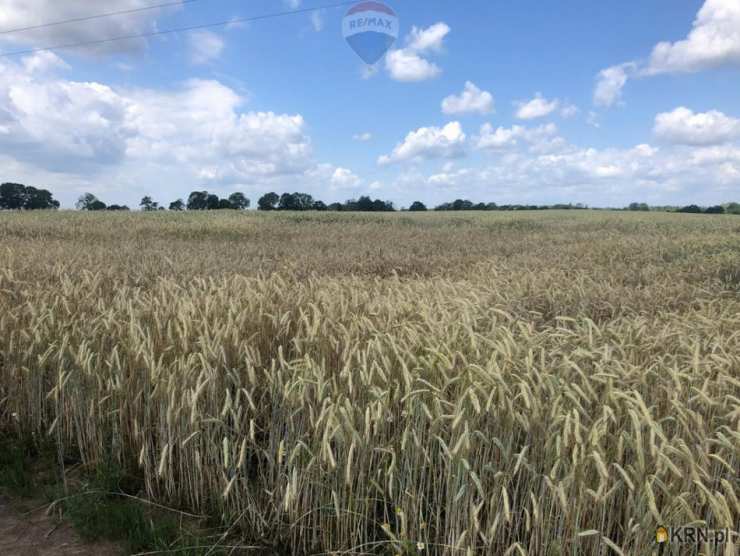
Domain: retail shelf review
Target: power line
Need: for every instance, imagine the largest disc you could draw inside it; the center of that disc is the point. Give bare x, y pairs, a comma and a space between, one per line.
89, 17
178, 29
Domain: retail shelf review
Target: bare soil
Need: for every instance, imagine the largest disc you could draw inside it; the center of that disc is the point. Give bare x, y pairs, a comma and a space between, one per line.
29, 531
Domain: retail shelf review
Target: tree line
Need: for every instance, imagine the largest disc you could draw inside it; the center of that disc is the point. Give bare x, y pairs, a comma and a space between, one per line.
728, 208
203, 200
16, 196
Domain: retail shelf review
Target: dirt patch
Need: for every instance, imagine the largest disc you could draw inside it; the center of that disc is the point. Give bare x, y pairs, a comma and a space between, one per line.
33, 533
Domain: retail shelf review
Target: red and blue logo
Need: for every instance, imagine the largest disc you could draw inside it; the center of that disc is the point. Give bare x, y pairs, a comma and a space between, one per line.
370, 28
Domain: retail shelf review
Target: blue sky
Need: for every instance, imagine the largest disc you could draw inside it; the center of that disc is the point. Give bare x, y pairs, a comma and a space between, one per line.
602, 103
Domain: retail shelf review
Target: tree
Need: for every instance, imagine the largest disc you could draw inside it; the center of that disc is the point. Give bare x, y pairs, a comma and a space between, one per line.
88, 201
198, 200
212, 202
715, 210
732, 208
638, 206
39, 199
319, 205
417, 206
117, 208
691, 209
304, 201
177, 206
364, 204
382, 206
295, 201
239, 201
12, 196
225, 204
462, 204
147, 204
268, 201
287, 202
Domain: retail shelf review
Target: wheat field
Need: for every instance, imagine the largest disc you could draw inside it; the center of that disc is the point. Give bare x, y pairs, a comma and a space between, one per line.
542, 383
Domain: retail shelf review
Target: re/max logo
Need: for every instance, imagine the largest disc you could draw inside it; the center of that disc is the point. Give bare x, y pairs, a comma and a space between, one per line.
377, 22
697, 535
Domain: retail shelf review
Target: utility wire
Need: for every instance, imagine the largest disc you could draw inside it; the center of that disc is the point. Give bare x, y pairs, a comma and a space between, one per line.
89, 17
178, 29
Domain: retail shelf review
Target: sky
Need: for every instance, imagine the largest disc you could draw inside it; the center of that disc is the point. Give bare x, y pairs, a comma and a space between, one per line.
601, 103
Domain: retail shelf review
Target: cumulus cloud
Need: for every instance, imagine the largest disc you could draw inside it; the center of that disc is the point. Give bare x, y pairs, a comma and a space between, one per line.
196, 134
43, 62
431, 38
610, 82
332, 178
408, 63
449, 178
505, 138
471, 100
537, 107
30, 13
569, 111
683, 126
205, 46
536, 165
429, 142
713, 41
604, 177
343, 177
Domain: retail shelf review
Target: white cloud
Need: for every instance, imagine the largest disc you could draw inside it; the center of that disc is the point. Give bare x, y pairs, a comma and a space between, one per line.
76, 136
713, 41
540, 138
569, 111
363, 137
449, 178
610, 83
470, 100
429, 142
407, 64
43, 62
27, 13
538, 107
342, 177
205, 46
293, 4
716, 155
534, 165
500, 138
683, 126
431, 38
